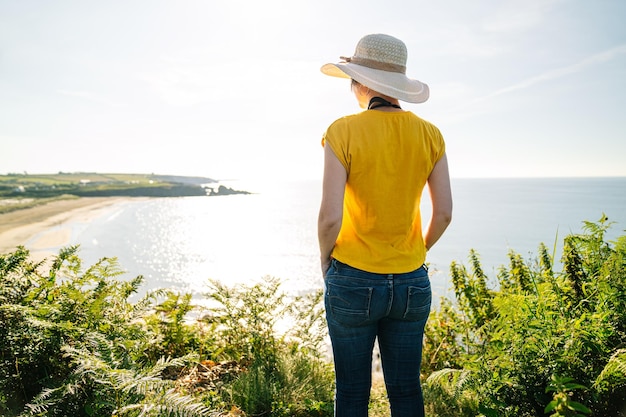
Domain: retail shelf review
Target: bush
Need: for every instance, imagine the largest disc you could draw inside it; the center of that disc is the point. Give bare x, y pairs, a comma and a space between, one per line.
543, 342
285, 373
72, 344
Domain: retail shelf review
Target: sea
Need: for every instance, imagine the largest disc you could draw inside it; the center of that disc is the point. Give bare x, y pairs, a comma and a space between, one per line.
183, 243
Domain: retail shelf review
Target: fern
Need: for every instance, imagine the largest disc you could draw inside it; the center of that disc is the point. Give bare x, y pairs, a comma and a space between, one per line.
450, 380
71, 343
142, 389
451, 392
613, 374
544, 323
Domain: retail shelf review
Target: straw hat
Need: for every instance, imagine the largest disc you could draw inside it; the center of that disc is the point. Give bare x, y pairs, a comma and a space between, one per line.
379, 63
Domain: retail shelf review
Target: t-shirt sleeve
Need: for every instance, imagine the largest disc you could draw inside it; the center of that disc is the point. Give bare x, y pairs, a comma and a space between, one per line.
438, 148
338, 143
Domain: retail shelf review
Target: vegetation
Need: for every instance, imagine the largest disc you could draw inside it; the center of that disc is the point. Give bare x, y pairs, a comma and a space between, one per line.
542, 343
13, 204
72, 344
26, 190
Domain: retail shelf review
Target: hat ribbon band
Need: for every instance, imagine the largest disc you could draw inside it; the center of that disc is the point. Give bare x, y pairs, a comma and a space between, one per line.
370, 63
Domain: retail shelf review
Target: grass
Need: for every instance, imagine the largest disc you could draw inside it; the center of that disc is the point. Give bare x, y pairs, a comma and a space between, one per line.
25, 186
72, 178
8, 205
379, 404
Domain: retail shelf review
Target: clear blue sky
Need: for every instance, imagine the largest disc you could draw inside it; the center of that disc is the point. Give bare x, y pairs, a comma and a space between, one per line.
232, 89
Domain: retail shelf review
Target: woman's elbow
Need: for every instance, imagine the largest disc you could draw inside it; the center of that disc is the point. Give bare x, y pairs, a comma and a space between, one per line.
443, 215
328, 223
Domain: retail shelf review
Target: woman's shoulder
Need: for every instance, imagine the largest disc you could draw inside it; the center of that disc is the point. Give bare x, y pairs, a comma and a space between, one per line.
367, 118
419, 118
349, 118
425, 124
346, 122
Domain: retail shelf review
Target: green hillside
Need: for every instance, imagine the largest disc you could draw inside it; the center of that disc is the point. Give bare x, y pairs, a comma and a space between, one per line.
25, 190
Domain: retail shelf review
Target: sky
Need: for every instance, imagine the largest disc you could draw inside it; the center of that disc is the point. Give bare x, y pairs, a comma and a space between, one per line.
233, 89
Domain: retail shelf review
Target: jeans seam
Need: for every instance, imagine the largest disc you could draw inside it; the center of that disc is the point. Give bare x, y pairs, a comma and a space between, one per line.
390, 304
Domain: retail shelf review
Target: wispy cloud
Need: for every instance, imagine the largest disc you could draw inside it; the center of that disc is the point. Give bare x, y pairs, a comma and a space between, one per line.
471, 107
558, 72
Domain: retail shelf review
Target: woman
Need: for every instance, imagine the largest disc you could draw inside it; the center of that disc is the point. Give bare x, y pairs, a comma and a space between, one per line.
376, 164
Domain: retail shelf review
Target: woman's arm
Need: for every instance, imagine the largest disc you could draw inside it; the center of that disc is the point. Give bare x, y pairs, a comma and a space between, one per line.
441, 197
331, 209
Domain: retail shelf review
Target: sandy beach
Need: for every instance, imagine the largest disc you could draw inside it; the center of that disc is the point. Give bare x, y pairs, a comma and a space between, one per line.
43, 229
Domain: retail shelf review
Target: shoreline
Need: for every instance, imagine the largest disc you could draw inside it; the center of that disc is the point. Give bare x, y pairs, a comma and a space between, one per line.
45, 228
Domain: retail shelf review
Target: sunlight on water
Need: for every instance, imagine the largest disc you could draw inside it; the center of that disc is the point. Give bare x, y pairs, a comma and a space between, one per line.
181, 243
233, 239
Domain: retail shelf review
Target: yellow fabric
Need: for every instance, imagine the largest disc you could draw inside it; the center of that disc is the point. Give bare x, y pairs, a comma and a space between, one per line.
388, 157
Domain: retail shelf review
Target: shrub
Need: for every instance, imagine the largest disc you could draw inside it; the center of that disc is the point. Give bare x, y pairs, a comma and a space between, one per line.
285, 374
542, 342
73, 344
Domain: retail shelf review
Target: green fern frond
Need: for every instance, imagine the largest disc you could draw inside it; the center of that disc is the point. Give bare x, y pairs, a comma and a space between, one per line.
170, 404
175, 404
41, 402
450, 380
615, 369
47, 398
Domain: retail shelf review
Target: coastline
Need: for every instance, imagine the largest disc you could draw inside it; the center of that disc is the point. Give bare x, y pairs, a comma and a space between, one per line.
43, 229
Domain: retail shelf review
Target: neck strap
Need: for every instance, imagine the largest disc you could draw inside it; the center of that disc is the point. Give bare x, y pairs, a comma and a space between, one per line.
380, 102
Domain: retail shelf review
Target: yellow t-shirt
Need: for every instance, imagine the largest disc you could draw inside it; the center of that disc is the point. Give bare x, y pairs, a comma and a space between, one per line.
388, 157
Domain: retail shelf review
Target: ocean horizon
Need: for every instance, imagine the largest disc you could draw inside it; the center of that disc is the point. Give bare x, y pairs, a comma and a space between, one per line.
182, 243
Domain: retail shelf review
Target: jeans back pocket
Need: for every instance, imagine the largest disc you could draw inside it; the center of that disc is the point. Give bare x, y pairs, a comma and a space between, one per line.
418, 303
349, 306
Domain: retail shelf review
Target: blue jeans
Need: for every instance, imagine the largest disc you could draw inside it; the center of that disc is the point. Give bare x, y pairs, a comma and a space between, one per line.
361, 306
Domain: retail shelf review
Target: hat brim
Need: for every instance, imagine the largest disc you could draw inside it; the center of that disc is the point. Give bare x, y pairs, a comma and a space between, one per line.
392, 84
